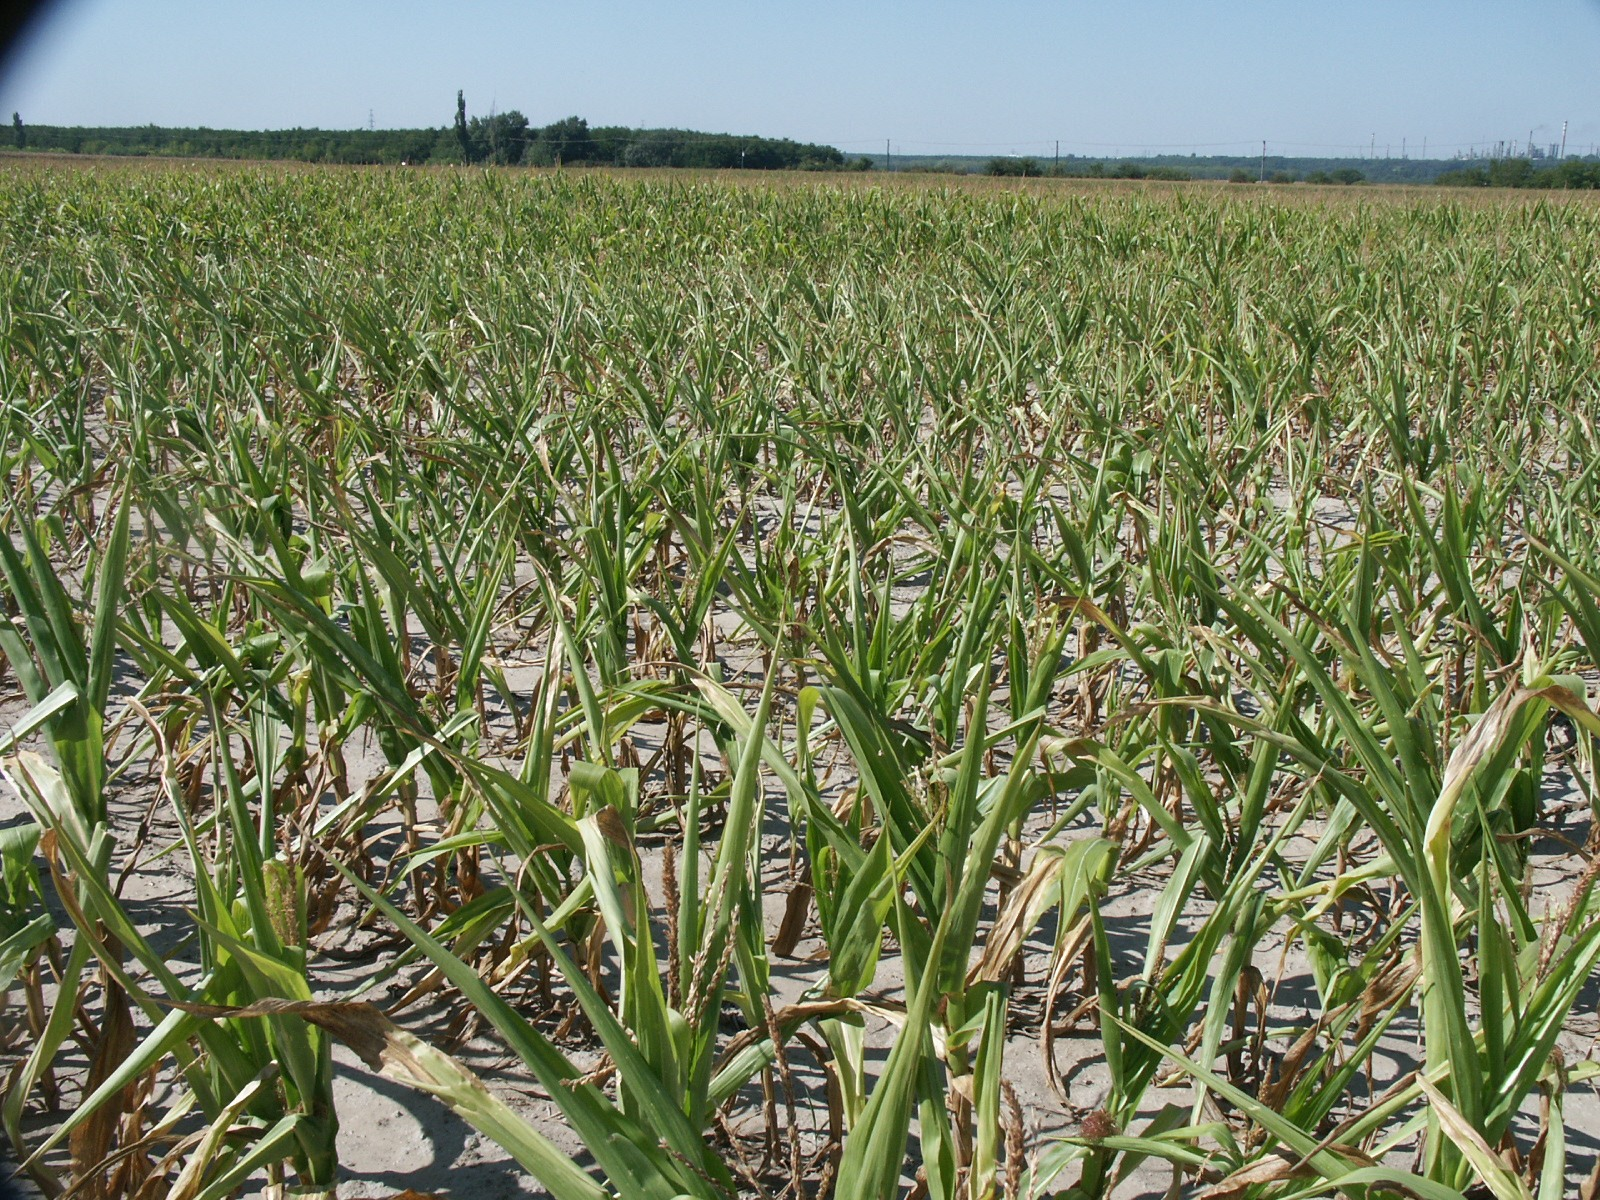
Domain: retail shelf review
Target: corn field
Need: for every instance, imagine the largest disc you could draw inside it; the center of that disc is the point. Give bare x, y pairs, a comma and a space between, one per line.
851, 691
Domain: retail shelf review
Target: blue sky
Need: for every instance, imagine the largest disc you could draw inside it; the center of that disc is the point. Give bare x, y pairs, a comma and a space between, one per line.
999, 77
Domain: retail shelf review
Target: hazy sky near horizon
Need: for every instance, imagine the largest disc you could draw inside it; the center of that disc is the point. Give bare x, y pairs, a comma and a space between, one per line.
1008, 76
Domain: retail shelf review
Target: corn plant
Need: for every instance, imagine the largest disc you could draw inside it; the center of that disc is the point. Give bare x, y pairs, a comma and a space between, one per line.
930, 691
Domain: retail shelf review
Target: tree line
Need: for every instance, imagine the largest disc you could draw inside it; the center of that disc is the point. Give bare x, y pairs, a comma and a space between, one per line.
1571, 173
509, 138
506, 138
1159, 171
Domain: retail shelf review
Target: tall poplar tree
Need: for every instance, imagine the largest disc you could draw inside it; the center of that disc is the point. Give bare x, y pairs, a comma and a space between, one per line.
461, 127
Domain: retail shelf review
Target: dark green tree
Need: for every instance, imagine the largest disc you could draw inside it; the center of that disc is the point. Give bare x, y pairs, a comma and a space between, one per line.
500, 139
463, 138
1510, 172
567, 141
1575, 173
1013, 166
18, 133
650, 148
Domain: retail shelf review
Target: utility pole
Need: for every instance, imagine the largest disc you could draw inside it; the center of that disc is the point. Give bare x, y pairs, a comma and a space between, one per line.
1263, 160
888, 160
1402, 148
1530, 143
1424, 147
1372, 150
1058, 152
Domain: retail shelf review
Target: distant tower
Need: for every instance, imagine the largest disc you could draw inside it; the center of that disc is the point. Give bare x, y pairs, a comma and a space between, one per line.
371, 121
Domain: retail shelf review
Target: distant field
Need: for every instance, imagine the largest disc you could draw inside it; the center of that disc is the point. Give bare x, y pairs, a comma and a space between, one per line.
1400, 190
801, 686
